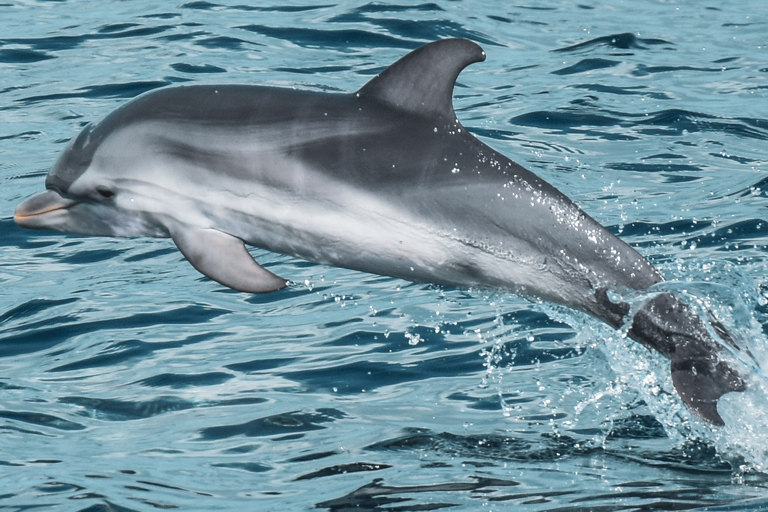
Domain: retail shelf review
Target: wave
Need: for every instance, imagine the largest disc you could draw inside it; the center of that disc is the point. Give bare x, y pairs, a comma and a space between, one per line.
622, 41
668, 122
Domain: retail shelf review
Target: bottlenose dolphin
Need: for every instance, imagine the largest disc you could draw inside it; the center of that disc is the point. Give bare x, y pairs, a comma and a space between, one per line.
385, 180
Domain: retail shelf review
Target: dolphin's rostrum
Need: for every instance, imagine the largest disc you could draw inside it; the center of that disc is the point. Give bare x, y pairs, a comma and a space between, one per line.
385, 180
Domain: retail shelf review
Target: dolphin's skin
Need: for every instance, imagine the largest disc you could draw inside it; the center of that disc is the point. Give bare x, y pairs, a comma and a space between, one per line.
385, 180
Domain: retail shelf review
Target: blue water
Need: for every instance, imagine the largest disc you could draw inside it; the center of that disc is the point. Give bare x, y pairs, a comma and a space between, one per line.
128, 382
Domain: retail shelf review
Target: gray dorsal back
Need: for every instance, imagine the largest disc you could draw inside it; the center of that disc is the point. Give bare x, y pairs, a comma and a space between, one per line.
422, 81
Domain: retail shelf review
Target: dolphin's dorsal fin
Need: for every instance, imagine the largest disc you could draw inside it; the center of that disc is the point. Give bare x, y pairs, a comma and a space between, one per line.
422, 81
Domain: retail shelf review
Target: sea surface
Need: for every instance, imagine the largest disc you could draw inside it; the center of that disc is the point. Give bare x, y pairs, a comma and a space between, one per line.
129, 382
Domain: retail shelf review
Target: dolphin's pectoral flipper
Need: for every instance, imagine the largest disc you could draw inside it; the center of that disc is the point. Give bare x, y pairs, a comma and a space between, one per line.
701, 379
224, 259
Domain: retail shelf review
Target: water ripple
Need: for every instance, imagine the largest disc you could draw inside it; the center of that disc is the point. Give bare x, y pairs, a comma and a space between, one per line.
668, 123
289, 423
49, 332
623, 41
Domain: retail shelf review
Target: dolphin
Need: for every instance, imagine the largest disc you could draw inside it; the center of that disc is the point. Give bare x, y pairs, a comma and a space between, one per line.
385, 180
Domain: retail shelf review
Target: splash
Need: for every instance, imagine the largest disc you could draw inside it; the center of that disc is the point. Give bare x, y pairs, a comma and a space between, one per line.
641, 379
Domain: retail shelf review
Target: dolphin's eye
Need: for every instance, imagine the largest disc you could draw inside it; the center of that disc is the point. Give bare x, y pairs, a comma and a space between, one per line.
105, 192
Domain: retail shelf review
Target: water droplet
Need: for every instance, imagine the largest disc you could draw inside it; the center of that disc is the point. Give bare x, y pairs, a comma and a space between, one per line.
413, 339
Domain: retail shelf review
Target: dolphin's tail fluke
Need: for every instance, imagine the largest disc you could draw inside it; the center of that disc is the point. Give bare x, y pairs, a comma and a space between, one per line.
699, 374
701, 381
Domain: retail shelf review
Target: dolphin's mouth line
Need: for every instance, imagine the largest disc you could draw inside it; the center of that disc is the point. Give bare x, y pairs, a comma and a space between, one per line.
28, 215
40, 205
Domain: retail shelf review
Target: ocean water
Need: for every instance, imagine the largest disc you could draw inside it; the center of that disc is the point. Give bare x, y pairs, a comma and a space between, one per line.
129, 382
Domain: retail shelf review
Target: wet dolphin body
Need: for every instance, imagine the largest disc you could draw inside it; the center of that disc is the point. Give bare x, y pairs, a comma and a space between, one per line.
385, 180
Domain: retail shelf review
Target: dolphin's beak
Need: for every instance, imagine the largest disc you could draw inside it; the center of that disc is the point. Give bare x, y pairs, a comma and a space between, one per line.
38, 211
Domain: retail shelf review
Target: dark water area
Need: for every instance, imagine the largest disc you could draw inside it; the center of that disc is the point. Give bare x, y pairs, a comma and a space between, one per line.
129, 382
